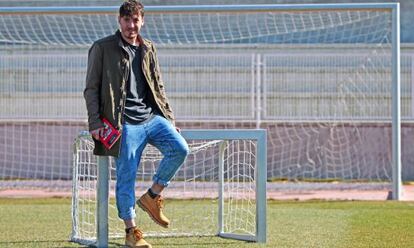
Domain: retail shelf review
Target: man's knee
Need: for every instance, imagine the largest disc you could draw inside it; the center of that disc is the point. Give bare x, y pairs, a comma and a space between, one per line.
183, 151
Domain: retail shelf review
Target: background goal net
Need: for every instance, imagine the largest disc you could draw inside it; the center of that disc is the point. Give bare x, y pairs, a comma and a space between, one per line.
319, 78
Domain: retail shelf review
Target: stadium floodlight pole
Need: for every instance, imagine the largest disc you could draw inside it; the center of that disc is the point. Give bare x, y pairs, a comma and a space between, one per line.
396, 105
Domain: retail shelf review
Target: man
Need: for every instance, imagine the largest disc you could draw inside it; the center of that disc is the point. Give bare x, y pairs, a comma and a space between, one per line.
124, 86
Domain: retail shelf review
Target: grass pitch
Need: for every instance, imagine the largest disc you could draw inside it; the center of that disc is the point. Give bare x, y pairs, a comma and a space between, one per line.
47, 223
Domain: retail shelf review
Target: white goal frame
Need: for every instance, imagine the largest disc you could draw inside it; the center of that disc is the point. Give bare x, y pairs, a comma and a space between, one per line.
393, 8
257, 135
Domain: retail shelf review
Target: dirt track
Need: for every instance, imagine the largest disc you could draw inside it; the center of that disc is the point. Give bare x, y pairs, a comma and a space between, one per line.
326, 194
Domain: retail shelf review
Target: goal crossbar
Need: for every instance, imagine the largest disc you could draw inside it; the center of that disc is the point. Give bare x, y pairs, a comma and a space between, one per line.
200, 8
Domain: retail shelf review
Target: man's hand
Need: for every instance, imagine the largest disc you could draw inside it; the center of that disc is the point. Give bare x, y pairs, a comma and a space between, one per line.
97, 133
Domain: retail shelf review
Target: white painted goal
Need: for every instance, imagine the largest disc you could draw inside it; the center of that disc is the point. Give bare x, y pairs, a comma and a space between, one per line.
220, 189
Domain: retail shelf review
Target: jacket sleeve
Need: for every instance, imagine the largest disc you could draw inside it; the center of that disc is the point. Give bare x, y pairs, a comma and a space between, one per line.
93, 86
167, 105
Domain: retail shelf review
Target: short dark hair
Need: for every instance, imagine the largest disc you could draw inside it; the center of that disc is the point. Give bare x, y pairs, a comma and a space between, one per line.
131, 7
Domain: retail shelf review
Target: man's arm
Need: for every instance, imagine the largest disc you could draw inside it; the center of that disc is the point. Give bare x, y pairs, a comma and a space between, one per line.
93, 87
161, 87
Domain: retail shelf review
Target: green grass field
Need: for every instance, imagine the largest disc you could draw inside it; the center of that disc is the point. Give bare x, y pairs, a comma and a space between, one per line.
47, 223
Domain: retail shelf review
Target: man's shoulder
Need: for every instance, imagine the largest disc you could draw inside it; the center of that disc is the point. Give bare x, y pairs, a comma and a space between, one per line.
108, 40
148, 43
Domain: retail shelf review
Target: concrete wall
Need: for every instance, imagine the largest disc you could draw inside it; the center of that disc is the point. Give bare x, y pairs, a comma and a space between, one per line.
296, 151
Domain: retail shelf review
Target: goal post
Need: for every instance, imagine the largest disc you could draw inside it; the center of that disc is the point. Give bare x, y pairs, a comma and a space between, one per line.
396, 104
225, 176
260, 175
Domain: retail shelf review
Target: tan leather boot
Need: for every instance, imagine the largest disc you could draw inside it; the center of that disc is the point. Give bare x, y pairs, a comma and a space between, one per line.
134, 239
154, 209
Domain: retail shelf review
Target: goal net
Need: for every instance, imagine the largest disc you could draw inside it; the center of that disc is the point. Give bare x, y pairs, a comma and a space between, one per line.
319, 78
220, 189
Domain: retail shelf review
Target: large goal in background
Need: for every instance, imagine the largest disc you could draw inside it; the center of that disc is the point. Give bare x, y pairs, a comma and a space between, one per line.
323, 79
332, 113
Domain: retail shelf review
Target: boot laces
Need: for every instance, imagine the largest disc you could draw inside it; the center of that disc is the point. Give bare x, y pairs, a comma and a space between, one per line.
160, 202
138, 234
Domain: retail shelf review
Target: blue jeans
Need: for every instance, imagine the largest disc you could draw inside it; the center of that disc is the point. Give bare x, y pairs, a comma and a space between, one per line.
160, 133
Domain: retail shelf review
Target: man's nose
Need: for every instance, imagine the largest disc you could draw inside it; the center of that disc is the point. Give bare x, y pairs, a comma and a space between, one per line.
131, 24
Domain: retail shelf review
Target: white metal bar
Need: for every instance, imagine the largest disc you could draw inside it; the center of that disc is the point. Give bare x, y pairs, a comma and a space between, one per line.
269, 7
264, 86
198, 8
258, 91
222, 134
253, 87
75, 191
102, 196
222, 148
396, 105
87, 242
261, 179
412, 86
243, 237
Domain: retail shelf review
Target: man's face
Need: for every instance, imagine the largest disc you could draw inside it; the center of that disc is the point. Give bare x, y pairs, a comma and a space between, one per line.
130, 25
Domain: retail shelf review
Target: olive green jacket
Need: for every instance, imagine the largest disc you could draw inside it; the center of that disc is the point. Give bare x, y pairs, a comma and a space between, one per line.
106, 78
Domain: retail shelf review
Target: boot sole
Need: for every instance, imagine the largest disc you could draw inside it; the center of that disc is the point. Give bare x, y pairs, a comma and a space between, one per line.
127, 246
140, 205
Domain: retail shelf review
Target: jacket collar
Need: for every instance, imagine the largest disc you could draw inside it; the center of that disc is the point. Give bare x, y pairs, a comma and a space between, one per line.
144, 42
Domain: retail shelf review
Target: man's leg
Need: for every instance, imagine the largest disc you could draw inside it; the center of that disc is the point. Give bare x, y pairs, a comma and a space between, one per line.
163, 135
172, 145
133, 143
157, 188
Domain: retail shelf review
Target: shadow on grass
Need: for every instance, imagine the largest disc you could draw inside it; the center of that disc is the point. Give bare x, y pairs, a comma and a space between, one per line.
186, 242
156, 242
38, 243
